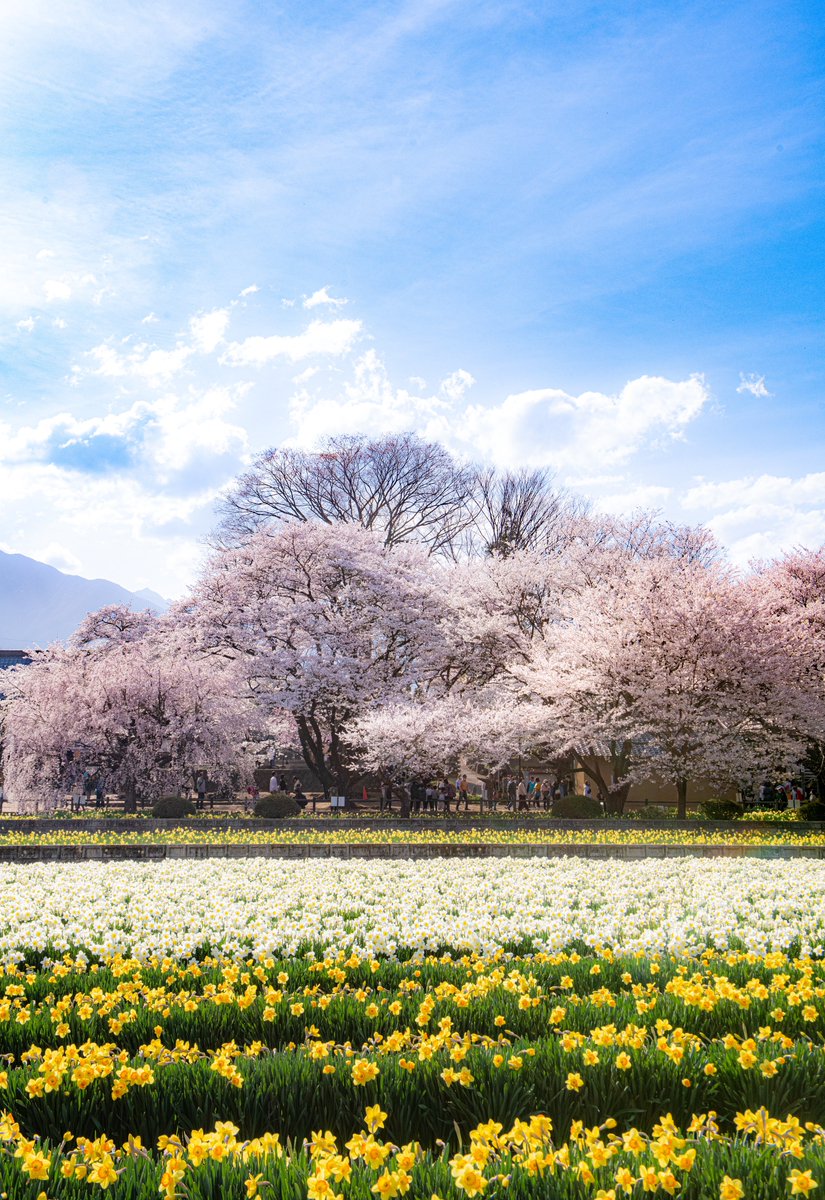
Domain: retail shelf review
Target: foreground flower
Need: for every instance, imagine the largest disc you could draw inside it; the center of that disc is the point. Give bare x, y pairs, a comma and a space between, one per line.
802, 1182
731, 1189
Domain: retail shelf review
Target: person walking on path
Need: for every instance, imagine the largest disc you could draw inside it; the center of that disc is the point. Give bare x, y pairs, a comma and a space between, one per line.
200, 788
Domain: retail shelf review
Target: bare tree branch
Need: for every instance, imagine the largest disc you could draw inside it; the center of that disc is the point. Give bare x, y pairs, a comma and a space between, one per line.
402, 487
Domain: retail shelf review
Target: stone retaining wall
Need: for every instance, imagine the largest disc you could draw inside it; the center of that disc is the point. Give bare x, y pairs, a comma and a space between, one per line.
155, 853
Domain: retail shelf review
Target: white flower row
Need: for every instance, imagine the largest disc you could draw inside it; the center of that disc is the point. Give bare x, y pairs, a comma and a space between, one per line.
264, 907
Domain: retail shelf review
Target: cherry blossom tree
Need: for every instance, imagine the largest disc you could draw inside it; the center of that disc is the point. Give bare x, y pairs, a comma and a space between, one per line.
668, 667
434, 734
791, 590
325, 622
471, 705
671, 671
129, 696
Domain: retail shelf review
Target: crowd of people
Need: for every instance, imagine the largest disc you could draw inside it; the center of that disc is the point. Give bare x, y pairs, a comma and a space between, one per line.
516, 793
781, 796
88, 790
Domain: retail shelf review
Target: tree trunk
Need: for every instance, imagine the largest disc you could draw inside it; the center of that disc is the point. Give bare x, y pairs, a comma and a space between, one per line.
615, 792
130, 797
404, 797
681, 799
616, 796
312, 751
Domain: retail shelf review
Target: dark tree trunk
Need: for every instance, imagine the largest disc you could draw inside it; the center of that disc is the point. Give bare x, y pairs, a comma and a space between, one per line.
312, 749
130, 797
616, 791
616, 796
681, 799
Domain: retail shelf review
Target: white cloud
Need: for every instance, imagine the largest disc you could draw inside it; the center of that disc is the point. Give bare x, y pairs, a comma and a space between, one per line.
642, 496
367, 404
548, 425
150, 363
322, 296
59, 556
27, 324
755, 384
149, 319
195, 426
157, 367
756, 490
306, 375
162, 436
544, 426
250, 291
758, 516
56, 289
456, 384
208, 329
332, 338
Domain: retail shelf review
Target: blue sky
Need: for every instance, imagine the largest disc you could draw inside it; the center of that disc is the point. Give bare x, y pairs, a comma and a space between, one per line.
585, 235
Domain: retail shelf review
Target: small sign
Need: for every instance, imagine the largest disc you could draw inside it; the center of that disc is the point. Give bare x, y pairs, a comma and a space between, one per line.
337, 801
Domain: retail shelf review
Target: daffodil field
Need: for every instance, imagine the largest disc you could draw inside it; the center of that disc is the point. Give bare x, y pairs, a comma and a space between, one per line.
130, 834
448, 1028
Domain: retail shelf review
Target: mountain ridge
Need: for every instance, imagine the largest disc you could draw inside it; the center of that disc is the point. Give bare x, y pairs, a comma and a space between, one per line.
40, 604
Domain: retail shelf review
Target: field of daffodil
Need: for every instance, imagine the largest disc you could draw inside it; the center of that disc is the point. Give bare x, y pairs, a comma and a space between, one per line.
591, 834
450, 1029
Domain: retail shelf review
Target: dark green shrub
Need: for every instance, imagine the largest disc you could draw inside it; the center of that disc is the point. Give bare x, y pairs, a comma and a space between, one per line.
812, 810
720, 810
584, 808
276, 806
173, 806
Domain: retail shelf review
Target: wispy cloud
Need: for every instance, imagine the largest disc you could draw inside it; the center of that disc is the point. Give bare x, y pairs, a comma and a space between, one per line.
56, 289
322, 297
755, 384
322, 338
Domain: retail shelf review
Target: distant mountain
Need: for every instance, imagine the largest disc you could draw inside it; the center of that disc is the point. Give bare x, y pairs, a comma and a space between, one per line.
152, 599
39, 604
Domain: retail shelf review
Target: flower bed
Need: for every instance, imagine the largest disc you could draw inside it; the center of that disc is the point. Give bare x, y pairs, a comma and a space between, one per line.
368, 1029
296, 834
263, 907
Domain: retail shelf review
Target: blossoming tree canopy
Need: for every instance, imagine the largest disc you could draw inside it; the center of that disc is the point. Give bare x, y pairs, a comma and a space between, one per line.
670, 670
128, 697
668, 667
324, 621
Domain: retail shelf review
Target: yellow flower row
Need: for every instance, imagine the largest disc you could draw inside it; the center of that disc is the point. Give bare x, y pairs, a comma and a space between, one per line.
796, 983
610, 1163
297, 835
